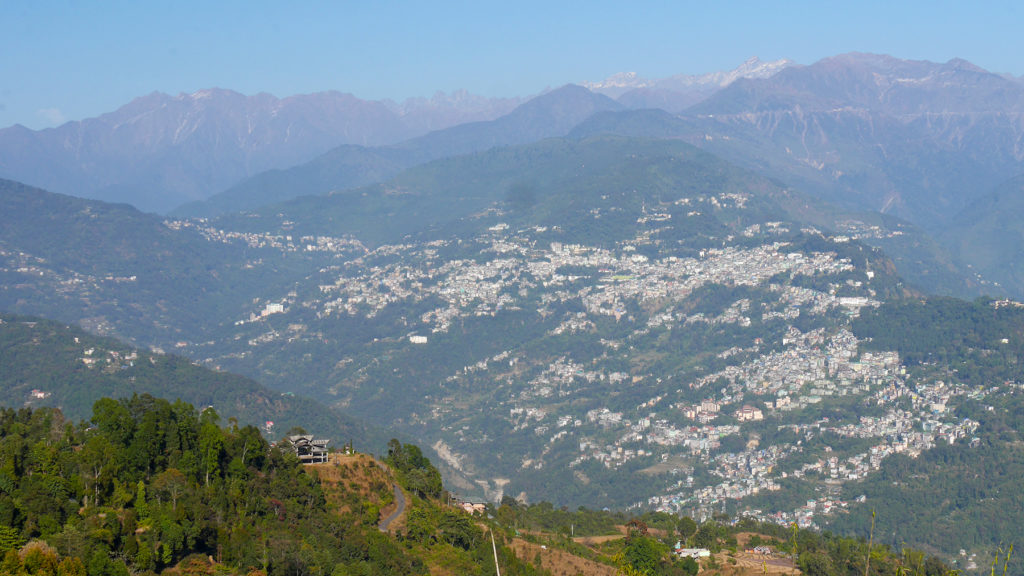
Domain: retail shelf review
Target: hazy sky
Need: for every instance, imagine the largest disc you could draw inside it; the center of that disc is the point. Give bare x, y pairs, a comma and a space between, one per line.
64, 61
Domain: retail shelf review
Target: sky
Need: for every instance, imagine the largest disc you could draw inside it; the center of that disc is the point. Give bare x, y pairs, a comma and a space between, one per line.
70, 60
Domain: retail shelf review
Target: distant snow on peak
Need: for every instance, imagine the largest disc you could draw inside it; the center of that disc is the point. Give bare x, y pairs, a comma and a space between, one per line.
751, 68
618, 84
620, 81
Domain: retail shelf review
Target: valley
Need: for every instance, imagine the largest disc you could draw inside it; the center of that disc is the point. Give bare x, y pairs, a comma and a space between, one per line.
741, 310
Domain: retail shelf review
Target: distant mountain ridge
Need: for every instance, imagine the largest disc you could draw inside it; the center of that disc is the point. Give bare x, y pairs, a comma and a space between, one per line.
939, 133
903, 88
160, 151
549, 115
622, 82
916, 139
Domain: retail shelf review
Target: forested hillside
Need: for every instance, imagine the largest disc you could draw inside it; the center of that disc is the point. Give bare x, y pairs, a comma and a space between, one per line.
50, 364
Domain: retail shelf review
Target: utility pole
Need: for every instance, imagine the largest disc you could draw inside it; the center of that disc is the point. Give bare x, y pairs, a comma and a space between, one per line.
495, 548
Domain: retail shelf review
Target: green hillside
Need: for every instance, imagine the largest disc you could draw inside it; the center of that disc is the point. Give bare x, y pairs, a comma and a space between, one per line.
50, 364
120, 272
540, 183
963, 494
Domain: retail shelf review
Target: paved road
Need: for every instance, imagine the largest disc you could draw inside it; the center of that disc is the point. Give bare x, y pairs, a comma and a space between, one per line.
400, 499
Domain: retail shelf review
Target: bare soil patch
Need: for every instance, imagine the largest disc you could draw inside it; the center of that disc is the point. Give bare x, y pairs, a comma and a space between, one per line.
560, 562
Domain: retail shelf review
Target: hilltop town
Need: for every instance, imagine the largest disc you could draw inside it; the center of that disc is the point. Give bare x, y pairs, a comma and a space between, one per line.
776, 393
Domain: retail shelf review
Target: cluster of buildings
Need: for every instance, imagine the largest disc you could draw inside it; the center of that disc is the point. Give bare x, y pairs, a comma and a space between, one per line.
113, 359
341, 246
577, 404
601, 279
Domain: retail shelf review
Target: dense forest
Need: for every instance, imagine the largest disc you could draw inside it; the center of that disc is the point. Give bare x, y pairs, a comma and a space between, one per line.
151, 485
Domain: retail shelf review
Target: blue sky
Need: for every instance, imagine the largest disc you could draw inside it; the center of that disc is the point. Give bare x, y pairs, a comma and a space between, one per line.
63, 60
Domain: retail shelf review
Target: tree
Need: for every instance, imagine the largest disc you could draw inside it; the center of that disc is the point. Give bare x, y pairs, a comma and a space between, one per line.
420, 526
10, 538
172, 483
686, 527
114, 420
99, 468
457, 529
643, 554
706, 536
689, 566
815, 563
141, 506
418, 473
211, 444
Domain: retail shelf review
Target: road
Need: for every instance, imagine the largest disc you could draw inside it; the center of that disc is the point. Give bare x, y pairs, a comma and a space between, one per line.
400, 499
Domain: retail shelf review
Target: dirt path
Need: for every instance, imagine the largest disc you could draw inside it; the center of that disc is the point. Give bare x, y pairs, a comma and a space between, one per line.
399, 510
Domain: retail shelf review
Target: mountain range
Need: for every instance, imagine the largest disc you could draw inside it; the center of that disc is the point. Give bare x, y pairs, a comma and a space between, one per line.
160, 151
549, 115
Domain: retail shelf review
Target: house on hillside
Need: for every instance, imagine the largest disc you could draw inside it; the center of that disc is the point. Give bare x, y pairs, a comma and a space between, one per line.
749, 414
310, 450
472, 505
695, 553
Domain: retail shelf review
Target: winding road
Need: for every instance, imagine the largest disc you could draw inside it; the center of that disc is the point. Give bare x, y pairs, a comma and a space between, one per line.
400, 499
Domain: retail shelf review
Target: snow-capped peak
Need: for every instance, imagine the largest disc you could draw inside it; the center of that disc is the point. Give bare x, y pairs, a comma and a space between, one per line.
617, 84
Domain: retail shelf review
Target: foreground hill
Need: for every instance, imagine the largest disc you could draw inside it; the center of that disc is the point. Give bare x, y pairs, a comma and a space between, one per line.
155, 486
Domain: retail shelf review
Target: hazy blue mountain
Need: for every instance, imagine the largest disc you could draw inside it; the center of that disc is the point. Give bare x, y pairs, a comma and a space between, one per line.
436, 194
917, 139
343, 167
160, 151
118, 271
876, 82
919, 259
549, 115
989, 234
